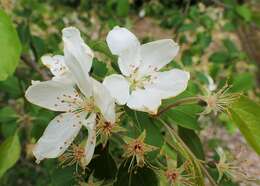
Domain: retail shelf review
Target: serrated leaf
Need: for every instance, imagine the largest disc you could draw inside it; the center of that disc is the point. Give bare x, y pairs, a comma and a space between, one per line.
245, 114
10, 151
10, 47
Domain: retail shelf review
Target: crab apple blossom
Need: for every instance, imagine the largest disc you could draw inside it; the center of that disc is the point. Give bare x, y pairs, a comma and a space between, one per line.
142, 86
73, 92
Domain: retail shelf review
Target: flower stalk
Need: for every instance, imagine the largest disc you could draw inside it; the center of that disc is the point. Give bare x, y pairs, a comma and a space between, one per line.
188, 100
187, 151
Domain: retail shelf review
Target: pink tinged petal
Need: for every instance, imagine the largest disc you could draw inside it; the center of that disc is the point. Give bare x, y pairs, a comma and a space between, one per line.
118, 87
104, 101
157, 54
90, 124
53, 95
78, 58
144, 100
124, 44
169, 83
56, 64
58, 135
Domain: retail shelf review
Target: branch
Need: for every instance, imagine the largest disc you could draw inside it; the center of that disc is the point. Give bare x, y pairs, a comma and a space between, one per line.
31, 63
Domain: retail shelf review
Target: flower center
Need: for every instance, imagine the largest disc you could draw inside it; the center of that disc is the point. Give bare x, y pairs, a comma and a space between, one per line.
171, 175
88, 105
136, 81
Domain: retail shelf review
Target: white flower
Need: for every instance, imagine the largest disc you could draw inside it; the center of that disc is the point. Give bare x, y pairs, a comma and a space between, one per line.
80, 102
143, 87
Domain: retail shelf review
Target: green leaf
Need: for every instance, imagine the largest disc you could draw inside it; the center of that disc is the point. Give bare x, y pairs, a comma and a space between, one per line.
143, 122
11, 86
256, 18
192, 140
8, 129
244, 12
10, 151
104, 159
38, 46
122, 8
63, 176
139, 177
7, 114
185, 116
99, 68
243, 82
10, 47
219, 57
207, 22
186, 57
100, 46
230, 46
245, 114
187, 27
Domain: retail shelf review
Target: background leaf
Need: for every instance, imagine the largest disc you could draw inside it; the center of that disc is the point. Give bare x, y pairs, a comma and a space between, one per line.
10, 47
9, 153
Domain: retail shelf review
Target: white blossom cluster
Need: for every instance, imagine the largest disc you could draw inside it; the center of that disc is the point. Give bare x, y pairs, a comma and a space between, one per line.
81, 99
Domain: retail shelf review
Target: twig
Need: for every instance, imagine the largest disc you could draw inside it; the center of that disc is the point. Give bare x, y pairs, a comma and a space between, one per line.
177, 103
31, 63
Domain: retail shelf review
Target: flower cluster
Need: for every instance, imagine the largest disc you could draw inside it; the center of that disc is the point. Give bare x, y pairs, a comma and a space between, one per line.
86, 102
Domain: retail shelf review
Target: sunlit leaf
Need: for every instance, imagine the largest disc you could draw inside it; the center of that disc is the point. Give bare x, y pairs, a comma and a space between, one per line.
245, 114
10, 46
9, 153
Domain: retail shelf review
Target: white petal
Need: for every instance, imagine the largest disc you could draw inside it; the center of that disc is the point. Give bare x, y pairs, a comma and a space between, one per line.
56, 64
66, 78
90, 124
53, 95
118, 87
78, 58
58, 136
157, 54
211, 85
124, 44
169, 83
104, 101
144, 100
